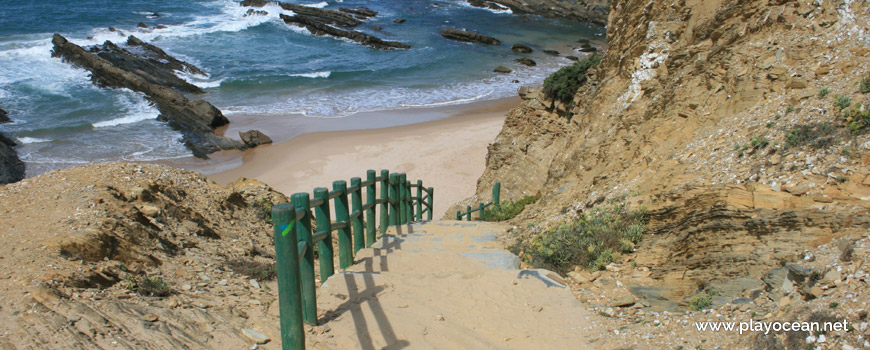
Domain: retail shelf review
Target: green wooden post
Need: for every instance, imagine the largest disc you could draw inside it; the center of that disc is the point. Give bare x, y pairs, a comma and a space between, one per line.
496, 193
345, 254
385, 196
431, 204
419, 200
370, 212
468, 211
480, 216
289, 292
306, 265
403, 193
394, 199
359, 240
410, 203
459, 215
324, 247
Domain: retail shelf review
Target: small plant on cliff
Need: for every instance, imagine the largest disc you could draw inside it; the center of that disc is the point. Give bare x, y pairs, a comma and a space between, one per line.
507, 210
864, 85
857, 118
593, 240
701, 301
563, 84
843, 102
149, 287
824, 92
819, 135
759, 142
263, 209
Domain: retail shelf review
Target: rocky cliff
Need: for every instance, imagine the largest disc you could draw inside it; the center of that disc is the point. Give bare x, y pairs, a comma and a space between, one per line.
739, 125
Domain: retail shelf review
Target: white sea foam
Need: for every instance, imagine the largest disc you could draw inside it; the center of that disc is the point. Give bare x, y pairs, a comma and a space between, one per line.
136, 109
324, 74
28, 140
319, 5
503, 9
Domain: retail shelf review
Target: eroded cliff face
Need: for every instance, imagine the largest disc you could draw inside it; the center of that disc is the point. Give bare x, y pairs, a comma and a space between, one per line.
696, 112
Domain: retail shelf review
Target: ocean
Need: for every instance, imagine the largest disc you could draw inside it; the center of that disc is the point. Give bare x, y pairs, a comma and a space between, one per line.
258, 67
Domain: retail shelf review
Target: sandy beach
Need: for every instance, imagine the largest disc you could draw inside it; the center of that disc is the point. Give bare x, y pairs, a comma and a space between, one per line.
447, 154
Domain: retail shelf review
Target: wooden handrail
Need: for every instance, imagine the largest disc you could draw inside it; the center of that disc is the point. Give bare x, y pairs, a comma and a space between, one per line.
356, 229
496, 200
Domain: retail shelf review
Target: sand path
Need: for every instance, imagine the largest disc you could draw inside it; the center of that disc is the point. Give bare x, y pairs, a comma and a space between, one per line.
446, 285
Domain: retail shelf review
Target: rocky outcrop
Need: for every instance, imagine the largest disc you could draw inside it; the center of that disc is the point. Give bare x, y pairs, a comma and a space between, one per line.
153, 67
11, 167
4, 116
526, 61
521, 48
502, 69
196, 120
591, 11
361, 12
254, 138
157, 55
327, 22
318, 28
471, 37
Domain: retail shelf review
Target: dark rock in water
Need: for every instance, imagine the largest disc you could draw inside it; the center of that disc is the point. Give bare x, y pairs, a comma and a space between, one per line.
11, 167
520, 48
588, 49
486, 4
318, 28
502, 69
254, 138
112, 29
155, 14
252, 12
583, 41
526, 61
254, 3
196, 120
573, 58
153, 69
322, 16
155, 53
360, 12
515, 81
551, 52
160, 26
142, 25
461, 35
4, 116
377, 27
586, 45
400, 20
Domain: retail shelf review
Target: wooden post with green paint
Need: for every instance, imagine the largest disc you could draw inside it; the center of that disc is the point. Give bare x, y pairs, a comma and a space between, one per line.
345, 254
324, 225
394, 199
356, 214
289, 293
431, 204
370, 211
404, 192
306, 264
410, 202
419, 200
496, 193
480, 216
385, 197
468, 210
459, 215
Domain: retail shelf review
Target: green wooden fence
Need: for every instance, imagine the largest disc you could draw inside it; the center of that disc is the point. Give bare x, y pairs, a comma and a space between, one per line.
354, 224
496, 200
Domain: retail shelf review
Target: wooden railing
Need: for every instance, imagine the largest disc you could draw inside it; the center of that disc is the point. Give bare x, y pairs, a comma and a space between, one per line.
295, 238
496, 195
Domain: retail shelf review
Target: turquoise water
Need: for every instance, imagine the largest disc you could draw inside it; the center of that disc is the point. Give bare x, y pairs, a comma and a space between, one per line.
256, 66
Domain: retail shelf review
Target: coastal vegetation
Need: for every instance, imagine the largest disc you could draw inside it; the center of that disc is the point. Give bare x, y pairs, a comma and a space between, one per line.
508, 209
563, 84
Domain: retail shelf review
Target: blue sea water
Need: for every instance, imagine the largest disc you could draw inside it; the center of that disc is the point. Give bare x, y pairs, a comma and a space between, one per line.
256, 65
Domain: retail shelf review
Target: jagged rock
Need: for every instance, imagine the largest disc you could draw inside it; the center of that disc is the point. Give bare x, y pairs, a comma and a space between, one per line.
551, 52
785, 280
625, 301
252, 12
360, 12
11, 167
502, 69
588, 49
400, 20
485, 4
4, 116
573, 58
195, 119
528, 92
592, 11
520, 48
256, 337
142, 25
156, 54
526, 61
461, 35
318, 28
322, 16
254, 138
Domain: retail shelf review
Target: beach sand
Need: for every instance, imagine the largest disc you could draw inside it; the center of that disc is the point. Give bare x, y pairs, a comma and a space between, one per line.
447, 154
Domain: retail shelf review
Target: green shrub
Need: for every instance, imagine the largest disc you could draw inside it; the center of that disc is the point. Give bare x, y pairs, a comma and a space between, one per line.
843, 102
824, 92
864, 85
563, 84
857, 118
149, 287
819, 135
759, 142
254, 269
789, 109
701, 301
507, 210
263, 209
593, 240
